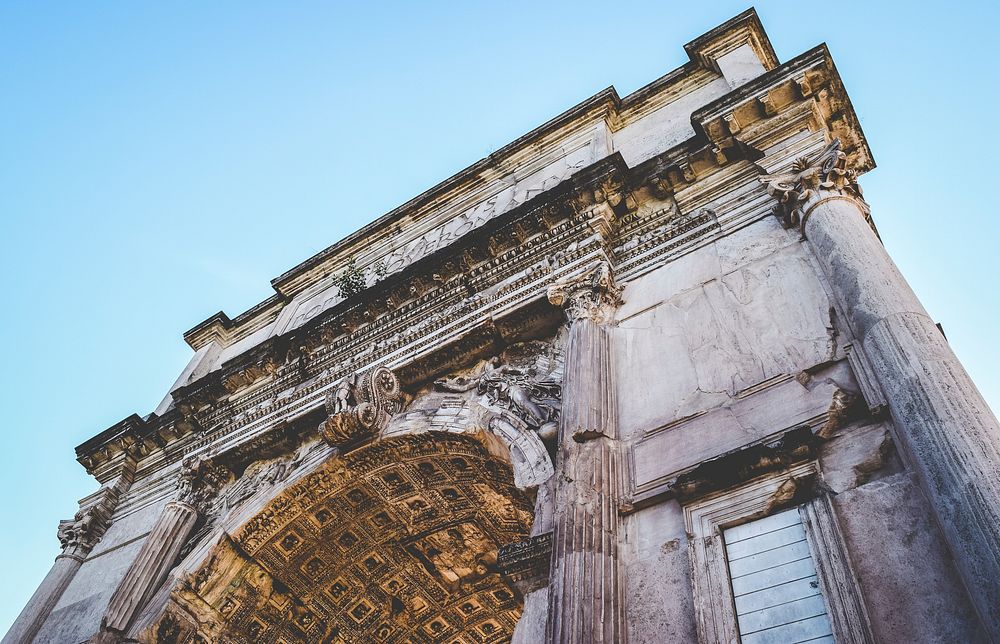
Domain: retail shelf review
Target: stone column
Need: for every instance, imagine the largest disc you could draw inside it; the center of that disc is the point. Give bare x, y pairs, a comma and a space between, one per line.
585, 599
44, 599
151, 565
198, 483
943, 426
77, 536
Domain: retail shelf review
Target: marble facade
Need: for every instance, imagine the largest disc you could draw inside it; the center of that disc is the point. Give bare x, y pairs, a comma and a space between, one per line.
526, 405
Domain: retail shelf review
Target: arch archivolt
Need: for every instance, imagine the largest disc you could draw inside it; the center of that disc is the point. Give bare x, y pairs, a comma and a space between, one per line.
395, 541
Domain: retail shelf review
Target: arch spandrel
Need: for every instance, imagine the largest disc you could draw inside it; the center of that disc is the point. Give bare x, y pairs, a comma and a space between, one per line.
393, 542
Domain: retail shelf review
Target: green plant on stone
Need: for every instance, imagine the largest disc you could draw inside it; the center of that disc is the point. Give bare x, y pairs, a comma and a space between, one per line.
351, 280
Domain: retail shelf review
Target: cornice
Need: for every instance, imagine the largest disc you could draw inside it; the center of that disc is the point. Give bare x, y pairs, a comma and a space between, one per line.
745, 28
417, 306
805, 90
605, 106
488, 286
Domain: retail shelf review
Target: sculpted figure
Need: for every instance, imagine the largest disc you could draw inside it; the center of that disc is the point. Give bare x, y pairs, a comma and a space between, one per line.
534, 400
345, 395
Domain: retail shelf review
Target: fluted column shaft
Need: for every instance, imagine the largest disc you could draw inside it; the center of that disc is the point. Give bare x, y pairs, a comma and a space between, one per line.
45, 598
943, 425
585, 599
151, 565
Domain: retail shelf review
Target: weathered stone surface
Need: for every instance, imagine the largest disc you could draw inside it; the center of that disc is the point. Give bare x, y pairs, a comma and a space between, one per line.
658, 576
903, 565
663, 451
945, 427
600, 332
703, 346
77, 615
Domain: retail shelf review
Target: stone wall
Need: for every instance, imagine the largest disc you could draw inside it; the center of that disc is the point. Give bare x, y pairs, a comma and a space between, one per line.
635, 345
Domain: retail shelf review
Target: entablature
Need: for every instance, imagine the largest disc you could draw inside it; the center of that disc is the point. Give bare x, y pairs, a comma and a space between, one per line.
485, 287
502, 180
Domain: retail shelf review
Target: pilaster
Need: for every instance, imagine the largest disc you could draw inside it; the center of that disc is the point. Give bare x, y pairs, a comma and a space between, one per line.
77, 536
197, 485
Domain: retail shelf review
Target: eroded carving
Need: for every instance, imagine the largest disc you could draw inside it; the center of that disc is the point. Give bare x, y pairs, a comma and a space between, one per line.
78, 533
360, 407
845, 407
826, 172
593, 294
526, 563
200, 480
266, 473
733, 469
521, 389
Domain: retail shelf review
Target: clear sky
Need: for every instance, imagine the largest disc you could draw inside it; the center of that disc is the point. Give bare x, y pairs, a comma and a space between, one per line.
162, 161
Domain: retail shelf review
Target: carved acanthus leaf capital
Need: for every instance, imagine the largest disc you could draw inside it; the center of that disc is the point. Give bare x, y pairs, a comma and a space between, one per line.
360, 407
593, 294
79, 534
807, 182
200, 481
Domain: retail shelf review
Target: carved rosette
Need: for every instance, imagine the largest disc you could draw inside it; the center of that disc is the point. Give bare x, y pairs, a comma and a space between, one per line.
360, 412
593, 294
810, 181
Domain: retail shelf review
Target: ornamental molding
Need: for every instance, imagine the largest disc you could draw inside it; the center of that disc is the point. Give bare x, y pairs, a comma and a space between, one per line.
811, 180
591, 295
483, 288
803, 94
360, 407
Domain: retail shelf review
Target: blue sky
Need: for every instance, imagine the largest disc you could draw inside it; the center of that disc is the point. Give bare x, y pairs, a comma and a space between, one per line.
162, 161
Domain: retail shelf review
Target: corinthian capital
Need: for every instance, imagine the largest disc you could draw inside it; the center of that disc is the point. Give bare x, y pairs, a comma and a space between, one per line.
592, 294
809, 181
199, 481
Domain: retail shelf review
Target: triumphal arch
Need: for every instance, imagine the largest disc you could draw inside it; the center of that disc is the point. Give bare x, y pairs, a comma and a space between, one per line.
646, 374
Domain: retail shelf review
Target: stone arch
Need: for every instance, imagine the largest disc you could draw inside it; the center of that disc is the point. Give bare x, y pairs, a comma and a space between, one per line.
528, 456
395, 541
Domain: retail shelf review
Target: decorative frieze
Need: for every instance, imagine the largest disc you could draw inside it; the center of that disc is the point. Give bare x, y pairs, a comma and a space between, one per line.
526, 563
